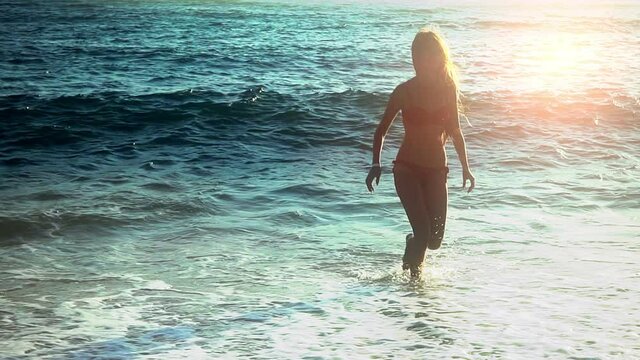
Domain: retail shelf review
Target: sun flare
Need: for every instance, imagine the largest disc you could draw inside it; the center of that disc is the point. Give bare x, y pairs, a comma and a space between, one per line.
556, 61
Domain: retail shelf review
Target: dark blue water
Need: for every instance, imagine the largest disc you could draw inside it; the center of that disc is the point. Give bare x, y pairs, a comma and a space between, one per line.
185, 179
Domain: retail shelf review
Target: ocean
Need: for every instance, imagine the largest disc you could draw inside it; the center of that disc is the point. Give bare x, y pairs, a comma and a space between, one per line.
186, 179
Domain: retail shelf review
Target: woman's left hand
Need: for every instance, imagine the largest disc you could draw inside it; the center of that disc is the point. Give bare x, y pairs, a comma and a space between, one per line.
467, 175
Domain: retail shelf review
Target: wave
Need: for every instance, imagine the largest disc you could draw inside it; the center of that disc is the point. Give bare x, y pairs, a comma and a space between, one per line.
118, 211
506, 24
182, 118
51, 224
121, 124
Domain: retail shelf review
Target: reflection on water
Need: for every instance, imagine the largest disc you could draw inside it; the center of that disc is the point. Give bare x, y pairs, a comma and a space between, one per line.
186, 180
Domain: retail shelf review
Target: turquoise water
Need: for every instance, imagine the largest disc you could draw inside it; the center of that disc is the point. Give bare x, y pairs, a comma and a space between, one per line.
185, 179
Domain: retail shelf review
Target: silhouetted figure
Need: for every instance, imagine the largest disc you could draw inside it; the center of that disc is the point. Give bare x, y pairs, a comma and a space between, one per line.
429, 105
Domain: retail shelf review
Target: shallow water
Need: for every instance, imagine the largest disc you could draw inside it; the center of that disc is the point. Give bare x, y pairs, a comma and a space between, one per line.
186, 179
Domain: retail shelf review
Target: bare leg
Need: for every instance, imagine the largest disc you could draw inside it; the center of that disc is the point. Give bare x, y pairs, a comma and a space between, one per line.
410, 191
408, 252
435, 195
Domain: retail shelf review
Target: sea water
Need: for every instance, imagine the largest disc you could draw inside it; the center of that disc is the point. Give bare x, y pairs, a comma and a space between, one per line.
186, 179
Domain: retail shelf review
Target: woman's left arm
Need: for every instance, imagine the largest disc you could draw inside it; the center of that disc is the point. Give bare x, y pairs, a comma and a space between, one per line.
454, 131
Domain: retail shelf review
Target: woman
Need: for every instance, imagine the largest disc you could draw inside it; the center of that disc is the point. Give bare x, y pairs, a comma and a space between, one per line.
429, 105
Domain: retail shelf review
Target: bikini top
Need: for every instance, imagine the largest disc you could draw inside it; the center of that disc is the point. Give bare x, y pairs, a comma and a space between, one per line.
417, 115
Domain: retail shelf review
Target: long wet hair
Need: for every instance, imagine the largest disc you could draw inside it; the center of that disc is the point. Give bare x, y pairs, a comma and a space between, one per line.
429, 40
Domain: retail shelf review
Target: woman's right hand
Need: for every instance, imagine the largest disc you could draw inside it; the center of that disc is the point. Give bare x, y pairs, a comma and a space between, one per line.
374, 173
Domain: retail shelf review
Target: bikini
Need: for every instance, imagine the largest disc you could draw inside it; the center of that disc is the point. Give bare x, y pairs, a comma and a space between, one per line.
418, 116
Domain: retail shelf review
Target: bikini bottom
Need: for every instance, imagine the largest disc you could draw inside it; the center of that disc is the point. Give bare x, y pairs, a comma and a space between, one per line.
425, 173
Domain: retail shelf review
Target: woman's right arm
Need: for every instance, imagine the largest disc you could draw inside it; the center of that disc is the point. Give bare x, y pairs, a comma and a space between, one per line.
393, 107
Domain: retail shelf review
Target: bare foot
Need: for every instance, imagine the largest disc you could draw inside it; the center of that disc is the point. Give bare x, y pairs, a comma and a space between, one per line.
408, 259
416, 270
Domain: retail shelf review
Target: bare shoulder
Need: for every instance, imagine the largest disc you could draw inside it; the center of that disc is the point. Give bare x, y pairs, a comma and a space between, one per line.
405, 85
401, 92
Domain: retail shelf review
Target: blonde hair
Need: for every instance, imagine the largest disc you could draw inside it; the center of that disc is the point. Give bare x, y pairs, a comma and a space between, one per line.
430, 40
